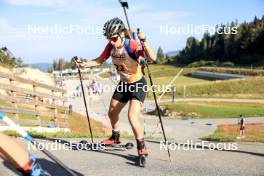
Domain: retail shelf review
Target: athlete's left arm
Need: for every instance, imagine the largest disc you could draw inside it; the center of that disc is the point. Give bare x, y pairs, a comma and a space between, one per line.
148, 50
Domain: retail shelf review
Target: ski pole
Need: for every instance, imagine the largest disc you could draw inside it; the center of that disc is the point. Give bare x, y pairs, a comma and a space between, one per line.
124, 4
84, 99
30, 139
155, 99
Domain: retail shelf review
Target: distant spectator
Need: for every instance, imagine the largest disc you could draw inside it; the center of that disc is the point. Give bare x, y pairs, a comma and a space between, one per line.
242, 124
78, 90
95, 86
173, 94
70, 109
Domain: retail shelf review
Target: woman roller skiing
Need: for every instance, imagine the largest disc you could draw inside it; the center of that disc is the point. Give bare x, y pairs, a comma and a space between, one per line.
125, 55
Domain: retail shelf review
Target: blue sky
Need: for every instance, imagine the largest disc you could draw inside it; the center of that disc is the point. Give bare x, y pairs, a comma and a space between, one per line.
17, 15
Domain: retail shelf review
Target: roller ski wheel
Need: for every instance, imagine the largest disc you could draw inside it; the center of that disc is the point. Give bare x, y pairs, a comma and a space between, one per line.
127, 146
83, 142
120, 146
142, 159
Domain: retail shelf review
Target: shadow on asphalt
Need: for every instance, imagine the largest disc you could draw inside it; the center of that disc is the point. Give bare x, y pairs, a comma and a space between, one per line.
55, 169
52, 168
208, 148
11, 167
131, 159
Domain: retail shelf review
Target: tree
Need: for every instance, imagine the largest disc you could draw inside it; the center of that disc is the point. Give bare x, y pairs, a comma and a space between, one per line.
7, 58
206, 44
193, 49
17, 62
55, 63
59, 64
4, 58
244, 47
218, 44
160, 56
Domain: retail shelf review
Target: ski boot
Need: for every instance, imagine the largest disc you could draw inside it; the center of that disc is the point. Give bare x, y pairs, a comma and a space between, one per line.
33, 169
113, 140
142, 153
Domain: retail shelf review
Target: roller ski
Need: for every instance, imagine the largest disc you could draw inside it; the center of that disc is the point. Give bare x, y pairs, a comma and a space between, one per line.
121, 147
113, 143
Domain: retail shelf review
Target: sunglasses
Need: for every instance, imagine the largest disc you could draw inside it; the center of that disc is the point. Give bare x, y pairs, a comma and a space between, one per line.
113, 39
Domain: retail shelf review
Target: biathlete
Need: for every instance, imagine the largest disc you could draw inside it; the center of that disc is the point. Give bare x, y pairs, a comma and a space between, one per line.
125, 55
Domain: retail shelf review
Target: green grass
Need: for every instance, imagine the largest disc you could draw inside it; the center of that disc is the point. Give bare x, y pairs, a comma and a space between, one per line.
77, 123
167, 70
48, 135
30, 117
195, 87
164, 74
5, 103
243, 88
219, 137
180, 81
254, 72
229, 133
215, 109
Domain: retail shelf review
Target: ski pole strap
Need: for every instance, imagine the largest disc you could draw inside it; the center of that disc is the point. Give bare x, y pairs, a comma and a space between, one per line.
17, 128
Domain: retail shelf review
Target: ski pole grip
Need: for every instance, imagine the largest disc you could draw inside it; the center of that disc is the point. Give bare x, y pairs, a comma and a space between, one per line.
124, 4
75, 58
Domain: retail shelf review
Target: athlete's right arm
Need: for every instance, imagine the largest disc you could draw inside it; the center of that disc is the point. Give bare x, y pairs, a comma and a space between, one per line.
95, 62
98, 61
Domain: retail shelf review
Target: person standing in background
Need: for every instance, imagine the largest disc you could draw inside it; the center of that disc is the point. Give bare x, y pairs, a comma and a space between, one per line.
242, 125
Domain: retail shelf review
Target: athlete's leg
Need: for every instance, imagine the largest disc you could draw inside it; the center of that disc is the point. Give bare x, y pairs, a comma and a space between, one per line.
13, 152
133, 115
21, 159
114, 111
